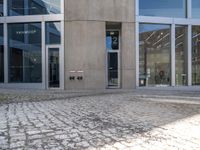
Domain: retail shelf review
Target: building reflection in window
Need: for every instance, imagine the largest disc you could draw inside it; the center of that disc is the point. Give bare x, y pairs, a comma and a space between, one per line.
155, 46
53, 33
1, 54
181, 55
33, 7
24, 53
196, 55
163, 8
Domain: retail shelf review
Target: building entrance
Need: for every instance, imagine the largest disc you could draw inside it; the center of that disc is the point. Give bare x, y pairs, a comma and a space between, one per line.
53, 66
113, 58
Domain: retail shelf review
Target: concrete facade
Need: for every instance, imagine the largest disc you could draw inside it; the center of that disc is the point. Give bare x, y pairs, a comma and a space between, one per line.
86, 22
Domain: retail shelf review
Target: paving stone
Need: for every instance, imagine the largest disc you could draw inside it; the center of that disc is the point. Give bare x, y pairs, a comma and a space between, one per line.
119, 120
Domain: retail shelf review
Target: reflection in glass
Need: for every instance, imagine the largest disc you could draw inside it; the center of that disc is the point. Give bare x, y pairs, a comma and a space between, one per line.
163, 8
33, 7
113, 69
196, 55
24, 53
154, 55
112, 40
1, 54
181, 55
53, 33
54, 73
196, 8
1, 8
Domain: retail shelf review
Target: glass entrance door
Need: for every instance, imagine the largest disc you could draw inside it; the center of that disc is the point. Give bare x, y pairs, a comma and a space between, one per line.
53, 67
113, 69
113, 58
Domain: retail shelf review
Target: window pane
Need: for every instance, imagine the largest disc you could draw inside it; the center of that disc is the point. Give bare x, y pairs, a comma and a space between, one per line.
24, 52
1, 54
154, 56
1, 8
196, 55
33, 7
181, 55
53, 35
112, 40
163, 8
196, 8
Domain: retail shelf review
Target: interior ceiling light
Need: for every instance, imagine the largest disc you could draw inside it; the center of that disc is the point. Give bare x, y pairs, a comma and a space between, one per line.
179, 36
150, 36
161, 39
196, 35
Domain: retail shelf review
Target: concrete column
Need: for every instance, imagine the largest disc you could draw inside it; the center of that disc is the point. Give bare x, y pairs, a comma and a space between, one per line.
128, 56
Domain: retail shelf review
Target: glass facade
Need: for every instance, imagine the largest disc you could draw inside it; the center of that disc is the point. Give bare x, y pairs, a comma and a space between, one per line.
24, 53
154, 58
181, 55
151, 41
53, 33
196, 55
1, 54
33, 7
163, 8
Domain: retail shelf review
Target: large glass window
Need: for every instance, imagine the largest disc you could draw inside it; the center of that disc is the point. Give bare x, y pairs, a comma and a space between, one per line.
181, 55
1, 54
196, 55
1, 8
196, 8
163, 8
154, 58
33, 7
24, 53
53, 33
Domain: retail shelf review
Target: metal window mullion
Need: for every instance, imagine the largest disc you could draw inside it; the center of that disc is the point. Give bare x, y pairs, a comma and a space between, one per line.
189, 55
173, 55
5, 35
62, 57
5, 6
137, 7
43, 57
189, 9
137, 52
62, 6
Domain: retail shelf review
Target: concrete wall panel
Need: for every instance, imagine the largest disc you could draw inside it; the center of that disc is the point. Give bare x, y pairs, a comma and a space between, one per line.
128, 62
85, 51
102, 10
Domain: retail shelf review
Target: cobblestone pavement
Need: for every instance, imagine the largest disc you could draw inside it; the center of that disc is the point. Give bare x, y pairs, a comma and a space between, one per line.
108, 120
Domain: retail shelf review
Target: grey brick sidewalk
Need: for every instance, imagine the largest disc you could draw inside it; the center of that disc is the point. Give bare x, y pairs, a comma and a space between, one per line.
100, 120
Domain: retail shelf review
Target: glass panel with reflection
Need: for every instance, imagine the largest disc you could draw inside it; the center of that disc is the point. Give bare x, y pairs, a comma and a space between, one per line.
53, 33
163, 8
155, 46
196, 8
181, 55
1, 8
1, 54
24, 53
33, 7
196, 55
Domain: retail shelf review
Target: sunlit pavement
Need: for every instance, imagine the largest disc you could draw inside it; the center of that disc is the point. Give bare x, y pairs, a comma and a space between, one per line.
142, 119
